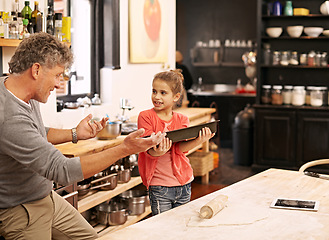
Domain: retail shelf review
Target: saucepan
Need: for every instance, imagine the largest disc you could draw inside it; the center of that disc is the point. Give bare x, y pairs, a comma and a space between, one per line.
124, 176
108, 182
135, 200
113, 213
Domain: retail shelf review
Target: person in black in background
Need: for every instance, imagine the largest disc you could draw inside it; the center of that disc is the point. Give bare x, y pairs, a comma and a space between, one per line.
188, 81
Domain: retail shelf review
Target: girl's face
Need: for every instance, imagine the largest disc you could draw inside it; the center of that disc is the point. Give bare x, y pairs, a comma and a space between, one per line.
163, 97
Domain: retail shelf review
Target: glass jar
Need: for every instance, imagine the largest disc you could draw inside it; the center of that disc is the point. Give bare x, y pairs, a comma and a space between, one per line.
317, 97
310, 58
287, 94
276, 58
276, 96
284, 58
294, 58
317, 59
324, 59
325, 95
298, 96
308, 95
303, 59
266, 94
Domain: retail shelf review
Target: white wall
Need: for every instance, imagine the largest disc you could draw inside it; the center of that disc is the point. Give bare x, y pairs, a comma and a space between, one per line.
131, 81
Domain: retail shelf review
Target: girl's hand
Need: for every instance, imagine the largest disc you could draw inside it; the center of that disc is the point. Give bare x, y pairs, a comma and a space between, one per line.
162, 148
205, 134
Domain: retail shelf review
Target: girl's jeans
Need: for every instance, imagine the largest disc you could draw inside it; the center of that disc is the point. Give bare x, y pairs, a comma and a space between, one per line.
165, 198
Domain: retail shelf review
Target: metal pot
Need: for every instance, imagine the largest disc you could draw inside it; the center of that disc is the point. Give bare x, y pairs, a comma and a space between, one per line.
83, 187
112, 214
135, 200
124, 176
106, 183
110, 131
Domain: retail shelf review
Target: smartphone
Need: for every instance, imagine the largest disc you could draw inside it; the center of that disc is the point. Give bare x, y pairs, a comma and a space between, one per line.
295, 204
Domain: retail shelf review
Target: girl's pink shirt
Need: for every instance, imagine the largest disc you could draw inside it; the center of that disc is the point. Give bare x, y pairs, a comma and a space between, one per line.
151, 170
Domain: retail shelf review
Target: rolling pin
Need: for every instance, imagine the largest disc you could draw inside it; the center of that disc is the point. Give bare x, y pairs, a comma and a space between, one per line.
213, 207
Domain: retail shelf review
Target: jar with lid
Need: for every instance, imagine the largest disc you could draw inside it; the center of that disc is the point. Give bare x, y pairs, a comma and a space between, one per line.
298, 96
266, 94
287, 94
324, 59
308, 95
325, 95
317, 97
303, 59
276, 96
317, 59
267, 54
276, 58
294, 58
310, 58
284, 58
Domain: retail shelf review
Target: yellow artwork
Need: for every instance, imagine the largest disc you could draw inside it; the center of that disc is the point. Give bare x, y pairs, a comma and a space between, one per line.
148, 31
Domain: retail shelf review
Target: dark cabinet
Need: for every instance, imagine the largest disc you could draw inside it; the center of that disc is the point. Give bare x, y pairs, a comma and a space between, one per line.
288, 137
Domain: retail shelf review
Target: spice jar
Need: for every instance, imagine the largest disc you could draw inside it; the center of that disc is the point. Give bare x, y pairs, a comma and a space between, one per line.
277, 98
317, 97
298, 96
317, 59
284, 59
308, 95
287, 94
310, 58
294, 58
276, 58
266, 94
303, 59
324, 59
325, 95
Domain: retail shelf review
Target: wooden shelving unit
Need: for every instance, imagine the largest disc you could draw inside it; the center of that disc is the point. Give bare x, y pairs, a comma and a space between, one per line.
14, 42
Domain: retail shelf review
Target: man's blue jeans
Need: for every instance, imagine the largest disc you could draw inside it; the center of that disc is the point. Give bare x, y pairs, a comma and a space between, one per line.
165, 198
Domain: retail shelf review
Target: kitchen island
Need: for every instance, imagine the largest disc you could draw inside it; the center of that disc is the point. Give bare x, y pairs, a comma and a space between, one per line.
247, 215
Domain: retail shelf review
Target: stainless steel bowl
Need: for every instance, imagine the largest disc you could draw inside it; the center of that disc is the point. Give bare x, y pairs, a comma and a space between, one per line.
110, 131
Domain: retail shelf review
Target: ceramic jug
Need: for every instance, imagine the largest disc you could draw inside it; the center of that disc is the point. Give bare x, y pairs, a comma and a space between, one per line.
277, 8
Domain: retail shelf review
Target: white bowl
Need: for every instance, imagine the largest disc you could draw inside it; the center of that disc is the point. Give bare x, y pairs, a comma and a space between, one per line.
313, 31
295, 31
274, 31
326, 33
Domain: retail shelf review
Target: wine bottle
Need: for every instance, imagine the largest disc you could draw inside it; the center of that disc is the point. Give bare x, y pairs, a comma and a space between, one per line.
36, 18
27, 10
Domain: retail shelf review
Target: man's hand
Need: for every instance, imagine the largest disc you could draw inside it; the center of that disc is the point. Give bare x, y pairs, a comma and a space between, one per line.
88, 129
161, 148
135, 144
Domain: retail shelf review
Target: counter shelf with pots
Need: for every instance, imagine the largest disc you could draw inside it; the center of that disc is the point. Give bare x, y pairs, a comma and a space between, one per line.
94, 198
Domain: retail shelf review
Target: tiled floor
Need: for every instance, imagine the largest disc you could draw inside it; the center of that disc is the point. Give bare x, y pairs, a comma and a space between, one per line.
226, 174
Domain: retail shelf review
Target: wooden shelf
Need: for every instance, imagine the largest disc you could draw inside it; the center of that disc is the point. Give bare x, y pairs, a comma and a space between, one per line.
102, 229
297, 16
15, 42
93, 199
291, 38
293, 66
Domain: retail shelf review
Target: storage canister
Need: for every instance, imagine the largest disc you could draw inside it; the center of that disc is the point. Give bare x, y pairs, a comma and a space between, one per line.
317, 97
276, 96
298, 96
266, 94
303, 59
325, 95
276, 58
284, 58
308, 95
287, 94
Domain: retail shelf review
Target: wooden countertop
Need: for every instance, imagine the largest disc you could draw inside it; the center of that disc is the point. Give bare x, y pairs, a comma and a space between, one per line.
84, 147
249, 198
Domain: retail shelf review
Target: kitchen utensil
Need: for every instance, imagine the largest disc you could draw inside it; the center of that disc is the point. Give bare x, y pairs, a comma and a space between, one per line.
313, 163
108, 182
110, 131
190, 132
213, 207
72, 105
135, 200
313, 31
124, 176
274, 32
317, 175
112, 214
83, 187
295, 31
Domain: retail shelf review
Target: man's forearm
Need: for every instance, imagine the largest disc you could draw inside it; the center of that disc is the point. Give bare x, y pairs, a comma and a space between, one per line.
57, 136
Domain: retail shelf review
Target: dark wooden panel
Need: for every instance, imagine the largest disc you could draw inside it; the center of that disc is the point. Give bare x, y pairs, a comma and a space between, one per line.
313, 140
275, 135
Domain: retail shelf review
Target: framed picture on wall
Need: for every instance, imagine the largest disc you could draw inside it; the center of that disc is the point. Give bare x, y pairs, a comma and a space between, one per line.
148, 31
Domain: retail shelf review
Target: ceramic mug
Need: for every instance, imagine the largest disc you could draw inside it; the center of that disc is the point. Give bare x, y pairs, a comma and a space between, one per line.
277, 8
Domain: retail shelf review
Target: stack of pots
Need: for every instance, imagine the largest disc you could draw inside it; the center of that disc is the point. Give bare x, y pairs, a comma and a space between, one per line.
112, 213
135, 200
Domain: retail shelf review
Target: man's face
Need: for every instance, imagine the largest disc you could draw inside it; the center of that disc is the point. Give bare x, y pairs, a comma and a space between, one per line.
48, 80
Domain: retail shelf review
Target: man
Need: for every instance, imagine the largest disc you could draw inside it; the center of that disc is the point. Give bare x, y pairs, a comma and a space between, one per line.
29, 162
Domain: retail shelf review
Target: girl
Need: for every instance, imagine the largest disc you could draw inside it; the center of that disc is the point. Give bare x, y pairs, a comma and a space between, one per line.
165, 170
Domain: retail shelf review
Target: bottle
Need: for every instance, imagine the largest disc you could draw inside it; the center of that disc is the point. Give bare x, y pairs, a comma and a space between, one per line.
30, 27
13, 29
25, 33
20, 22
27, 10
1, 27
58, 26
50, 21
288, 9
16, 7
36, 18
